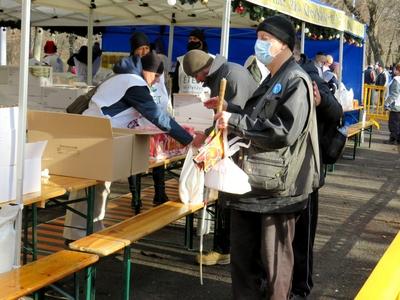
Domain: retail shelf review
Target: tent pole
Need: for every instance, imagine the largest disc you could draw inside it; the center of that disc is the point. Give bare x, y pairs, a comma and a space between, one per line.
170, 44
341, 57
3, 46
90, 48
303, 37
22, 103
363, 67
225, 30
37, 44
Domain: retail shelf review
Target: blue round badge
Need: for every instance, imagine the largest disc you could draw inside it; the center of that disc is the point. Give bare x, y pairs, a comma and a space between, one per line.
277, 88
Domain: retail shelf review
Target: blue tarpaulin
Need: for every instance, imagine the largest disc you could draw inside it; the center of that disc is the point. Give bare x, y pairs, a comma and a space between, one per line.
241, 45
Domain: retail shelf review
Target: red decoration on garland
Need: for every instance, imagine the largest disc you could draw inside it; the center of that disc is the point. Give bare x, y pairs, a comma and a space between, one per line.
240, 9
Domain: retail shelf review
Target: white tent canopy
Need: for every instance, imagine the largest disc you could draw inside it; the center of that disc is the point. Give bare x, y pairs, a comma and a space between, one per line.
123, 12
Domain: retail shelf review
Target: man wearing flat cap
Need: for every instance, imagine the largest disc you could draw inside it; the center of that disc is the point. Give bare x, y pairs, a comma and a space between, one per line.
240, 86
282, 164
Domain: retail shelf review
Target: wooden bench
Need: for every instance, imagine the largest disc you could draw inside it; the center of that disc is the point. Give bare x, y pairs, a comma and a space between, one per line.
41, 273
354, 131
123, 235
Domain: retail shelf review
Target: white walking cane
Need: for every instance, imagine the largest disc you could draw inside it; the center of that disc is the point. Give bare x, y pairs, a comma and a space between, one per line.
208, 192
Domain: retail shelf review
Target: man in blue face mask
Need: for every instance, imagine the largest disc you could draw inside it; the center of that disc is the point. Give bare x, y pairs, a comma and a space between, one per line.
282, 163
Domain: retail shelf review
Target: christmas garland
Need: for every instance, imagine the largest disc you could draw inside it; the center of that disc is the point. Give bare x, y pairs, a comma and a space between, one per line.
259, 13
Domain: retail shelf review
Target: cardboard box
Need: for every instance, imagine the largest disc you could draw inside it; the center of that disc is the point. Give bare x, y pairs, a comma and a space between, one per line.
188, 109
32, 173
8, 158
59, 97
88, 147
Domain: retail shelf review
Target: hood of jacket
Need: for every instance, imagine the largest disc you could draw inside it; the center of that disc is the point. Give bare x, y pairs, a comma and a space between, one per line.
219, 60
128, 65
309, 66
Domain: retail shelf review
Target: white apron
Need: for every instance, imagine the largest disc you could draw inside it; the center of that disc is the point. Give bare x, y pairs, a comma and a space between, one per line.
189, 85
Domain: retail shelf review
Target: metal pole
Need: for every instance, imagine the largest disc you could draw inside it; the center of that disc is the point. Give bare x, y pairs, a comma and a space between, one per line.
225, 30
90, 48
170, 44
341, 57
303, 36
3, 46
22, 103
37, 45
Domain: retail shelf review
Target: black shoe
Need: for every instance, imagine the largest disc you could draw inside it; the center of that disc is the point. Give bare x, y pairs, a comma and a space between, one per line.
160, 199
67, 242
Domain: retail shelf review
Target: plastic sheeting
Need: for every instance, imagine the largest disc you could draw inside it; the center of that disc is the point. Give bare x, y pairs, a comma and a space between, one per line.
8, 214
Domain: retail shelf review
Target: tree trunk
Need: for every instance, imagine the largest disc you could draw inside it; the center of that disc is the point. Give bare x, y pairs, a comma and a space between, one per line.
375, 47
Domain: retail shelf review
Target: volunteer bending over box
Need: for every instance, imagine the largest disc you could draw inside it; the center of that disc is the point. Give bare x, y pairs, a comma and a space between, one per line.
126, 99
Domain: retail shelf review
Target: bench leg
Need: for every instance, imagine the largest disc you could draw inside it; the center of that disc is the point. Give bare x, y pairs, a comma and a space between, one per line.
127, 273
90, 282
370, 137
189, 232
90, 208
355, 145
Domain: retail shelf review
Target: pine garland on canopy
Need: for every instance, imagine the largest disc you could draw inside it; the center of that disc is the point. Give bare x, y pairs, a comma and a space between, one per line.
259, 13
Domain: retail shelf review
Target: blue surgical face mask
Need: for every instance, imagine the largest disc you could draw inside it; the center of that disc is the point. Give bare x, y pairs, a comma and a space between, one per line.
263, 51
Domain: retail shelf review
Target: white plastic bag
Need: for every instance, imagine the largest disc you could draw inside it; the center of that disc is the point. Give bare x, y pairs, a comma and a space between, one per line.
226, 176
191, 181
8, 214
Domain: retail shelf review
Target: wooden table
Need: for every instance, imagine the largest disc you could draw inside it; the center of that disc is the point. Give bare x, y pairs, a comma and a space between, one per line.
53, 187
165, 162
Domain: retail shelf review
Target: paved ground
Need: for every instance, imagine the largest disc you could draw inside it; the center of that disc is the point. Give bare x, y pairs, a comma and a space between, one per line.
359, 217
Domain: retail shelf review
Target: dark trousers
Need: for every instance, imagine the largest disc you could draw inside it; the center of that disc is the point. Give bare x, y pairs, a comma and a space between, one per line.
159, 183
303, 243
394, 125
261, 255
222, 243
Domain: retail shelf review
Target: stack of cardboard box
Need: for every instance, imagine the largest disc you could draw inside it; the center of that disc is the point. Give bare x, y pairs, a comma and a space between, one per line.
42, 94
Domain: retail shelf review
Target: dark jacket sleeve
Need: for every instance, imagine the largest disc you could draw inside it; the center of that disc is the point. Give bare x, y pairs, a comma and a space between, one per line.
139, 98
285, 125
329, 110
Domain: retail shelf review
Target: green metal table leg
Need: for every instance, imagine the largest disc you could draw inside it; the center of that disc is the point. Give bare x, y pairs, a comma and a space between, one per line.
76, 286
189, 232
25, 243
90, 283
34, 231
127, 273
90, 207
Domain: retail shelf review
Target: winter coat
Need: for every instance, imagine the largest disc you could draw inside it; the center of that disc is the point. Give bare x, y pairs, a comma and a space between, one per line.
329, 111
283, 159
392, 102
240, 84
